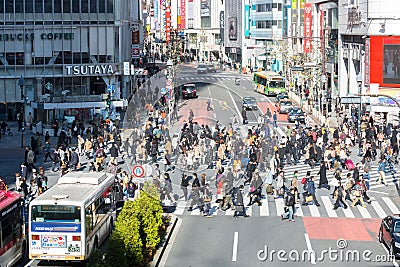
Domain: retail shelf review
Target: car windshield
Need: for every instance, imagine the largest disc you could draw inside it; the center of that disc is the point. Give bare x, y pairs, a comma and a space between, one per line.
189, 88
249, 100
296, 111
201, 66
286, 103
396, 228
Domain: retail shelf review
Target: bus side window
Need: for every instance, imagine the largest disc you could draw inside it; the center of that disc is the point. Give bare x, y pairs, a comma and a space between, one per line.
89, 220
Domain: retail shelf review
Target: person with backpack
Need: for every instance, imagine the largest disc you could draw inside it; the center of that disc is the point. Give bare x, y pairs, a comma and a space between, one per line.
289, 206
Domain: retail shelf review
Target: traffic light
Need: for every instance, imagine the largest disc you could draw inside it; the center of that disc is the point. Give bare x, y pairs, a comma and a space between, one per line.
108, 101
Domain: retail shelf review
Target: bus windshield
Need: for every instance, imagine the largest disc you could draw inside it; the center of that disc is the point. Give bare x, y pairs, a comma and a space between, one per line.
55, 213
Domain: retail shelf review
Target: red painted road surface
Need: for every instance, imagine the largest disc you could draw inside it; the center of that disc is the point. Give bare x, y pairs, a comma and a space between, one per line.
264, 106
201, 115
342, 228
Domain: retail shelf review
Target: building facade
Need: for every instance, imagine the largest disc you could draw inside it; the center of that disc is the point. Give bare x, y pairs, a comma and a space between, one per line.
58, 58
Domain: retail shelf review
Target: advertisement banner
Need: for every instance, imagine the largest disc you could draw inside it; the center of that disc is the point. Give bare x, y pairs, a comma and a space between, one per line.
321, 27
367, 66
232, 26
205, 8
247, 21
183, 14
302, 4
294, 4
222, 26
308, 28
168, 24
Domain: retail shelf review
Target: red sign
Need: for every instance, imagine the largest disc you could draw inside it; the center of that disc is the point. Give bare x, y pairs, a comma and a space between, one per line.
135, 51
308, 28
168, 24
138, 171
183, 14
322, 30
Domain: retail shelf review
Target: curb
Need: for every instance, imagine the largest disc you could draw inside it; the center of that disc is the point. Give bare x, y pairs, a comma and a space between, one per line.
162, 253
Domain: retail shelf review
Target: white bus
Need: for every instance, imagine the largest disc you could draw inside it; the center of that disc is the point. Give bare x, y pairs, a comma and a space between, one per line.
72, 218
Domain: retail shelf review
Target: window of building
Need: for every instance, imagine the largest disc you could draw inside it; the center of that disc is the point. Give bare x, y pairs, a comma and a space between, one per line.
48, 6
274, 5
15, 58
19, 6
190, 23
280, 24
9, 6
84, 6
205, 22
274, 22
28, 6
75, 6
268, 7
110, 6
1, 6
66, 6
93, 6
57, 6
38, 6
102, 6
279, 7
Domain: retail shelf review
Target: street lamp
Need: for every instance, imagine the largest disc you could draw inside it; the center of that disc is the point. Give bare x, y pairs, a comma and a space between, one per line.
359, 83
21, 84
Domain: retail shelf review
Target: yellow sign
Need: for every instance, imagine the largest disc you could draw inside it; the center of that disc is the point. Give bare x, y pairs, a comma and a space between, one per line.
294, 4
302, 2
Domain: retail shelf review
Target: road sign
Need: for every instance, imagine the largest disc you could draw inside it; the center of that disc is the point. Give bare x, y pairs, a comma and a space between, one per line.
138, 171
110, 88
168, 82
163, 91
148, 170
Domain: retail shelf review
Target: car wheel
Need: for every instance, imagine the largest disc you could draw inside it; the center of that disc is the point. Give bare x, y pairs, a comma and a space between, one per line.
380, 239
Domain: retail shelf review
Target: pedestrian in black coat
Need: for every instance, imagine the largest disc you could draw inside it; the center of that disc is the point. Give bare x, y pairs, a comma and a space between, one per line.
323, 180
239, 204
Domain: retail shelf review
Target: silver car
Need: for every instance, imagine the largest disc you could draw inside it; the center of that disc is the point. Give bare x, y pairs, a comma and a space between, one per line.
202, 68
285, 106
211, 68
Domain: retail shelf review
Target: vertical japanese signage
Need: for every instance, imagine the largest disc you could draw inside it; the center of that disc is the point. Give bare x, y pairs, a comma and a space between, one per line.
135, 33
302, 4
222, 26
168, 22
322, 28
294, 4
247, 19
367, 62
308, 28
183, 14
156, 12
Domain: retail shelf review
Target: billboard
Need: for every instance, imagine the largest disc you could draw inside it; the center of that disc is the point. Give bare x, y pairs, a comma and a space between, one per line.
247, 20
168, 24
205, 8
183, 14
383, 62
308, 28
232, 27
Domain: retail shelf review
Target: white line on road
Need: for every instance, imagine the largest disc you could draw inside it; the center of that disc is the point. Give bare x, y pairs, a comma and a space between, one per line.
381, 213
29, 263
236, 107
171, 242
391, 205
388, 253
379, 192
328, 206
309, 248
235, 245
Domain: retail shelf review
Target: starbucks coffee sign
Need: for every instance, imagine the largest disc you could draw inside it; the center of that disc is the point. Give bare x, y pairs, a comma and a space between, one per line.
90, 70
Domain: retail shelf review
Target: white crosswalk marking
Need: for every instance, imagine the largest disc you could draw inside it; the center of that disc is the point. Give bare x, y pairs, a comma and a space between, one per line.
280, 206
314, 211
348, 212
381, 213
180, 208
195, 212
393, 208
298, 210
364, 212
264, 210
229, 212
214, 208
249, 209
328, 206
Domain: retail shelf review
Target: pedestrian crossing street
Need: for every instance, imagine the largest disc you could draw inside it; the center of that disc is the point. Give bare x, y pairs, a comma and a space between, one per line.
302, 168
213, 78
275, 207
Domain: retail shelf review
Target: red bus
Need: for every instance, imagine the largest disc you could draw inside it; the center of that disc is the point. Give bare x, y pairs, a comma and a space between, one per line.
12, 228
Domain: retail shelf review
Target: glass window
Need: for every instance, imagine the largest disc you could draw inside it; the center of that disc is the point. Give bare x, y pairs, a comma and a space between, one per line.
102, 6
84, 6
1, 6
57, 6
274, 22
66, 6
110, 6
75, 6
279, 7
59, 213
19, 6
93, 6
9, 6
38, 6
28, 6
274, 5
48, 6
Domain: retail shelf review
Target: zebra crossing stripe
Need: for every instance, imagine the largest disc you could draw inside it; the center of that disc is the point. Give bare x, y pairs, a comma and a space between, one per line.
364, 212
328, 206
280, 206
393, 208
381, 213
229, 212
348, 212
195, 212
180, 208
249, 210
298, 210
314, 211
264, 210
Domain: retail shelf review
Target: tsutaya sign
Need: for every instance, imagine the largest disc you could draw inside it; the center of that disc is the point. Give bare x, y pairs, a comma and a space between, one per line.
89, 70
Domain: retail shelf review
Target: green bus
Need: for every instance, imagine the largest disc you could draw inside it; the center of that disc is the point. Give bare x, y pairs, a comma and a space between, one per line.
269, 83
